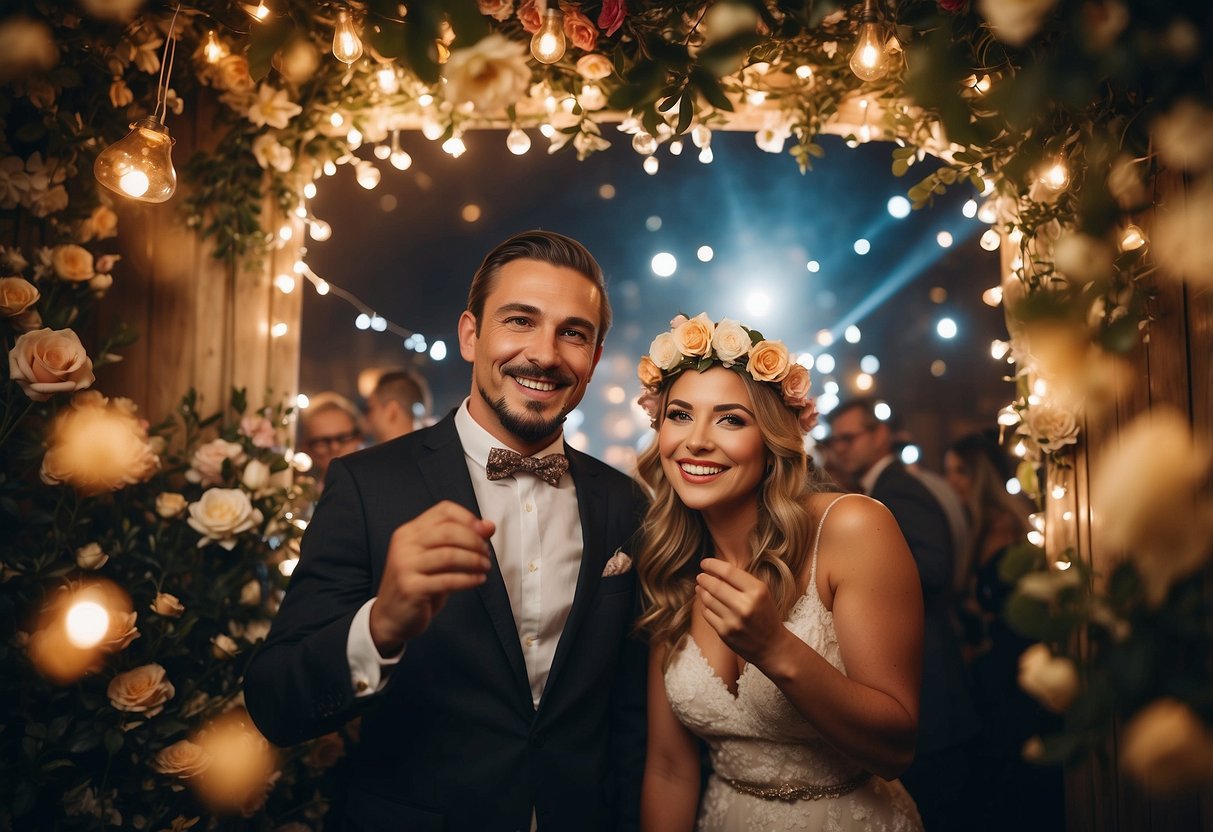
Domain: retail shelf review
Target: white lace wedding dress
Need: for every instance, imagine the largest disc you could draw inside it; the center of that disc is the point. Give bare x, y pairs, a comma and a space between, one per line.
758, 739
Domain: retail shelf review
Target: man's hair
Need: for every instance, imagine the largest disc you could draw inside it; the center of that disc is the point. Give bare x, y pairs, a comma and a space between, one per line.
330, 400
546, 247
406, 387
866, 405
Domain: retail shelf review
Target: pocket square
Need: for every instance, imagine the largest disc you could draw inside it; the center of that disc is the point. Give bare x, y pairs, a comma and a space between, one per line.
617, 565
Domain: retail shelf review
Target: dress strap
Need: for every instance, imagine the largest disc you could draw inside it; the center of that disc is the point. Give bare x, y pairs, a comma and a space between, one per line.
817, 539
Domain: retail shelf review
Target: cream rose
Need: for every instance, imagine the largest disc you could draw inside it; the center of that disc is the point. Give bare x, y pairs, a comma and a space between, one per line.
1052, 427
123, 630
795, 385
222, 647
694, 337
1015, 21
730, 341
221, 514
492, 73
207, 464
500, 10
256, 475
170, 504
649, 373
16, 296
72, 263
664, 351
183, 759
579, 29
167, 605
49, 361
1053, 681
143, 690
101, 224
769, 361
232, 74
90, 556
595, 66
1167, 749
1151, 478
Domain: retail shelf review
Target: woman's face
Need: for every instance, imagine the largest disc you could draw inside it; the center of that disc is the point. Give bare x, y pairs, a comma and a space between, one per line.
958, 475
711, 447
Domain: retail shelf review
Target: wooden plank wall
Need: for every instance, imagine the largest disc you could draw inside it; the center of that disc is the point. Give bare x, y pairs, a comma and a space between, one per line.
1173, 369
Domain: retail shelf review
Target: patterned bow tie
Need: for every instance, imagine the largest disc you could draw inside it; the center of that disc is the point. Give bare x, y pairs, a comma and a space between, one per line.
502, 463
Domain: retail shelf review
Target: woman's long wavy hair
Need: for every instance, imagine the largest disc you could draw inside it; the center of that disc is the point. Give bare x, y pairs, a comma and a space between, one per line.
676, 538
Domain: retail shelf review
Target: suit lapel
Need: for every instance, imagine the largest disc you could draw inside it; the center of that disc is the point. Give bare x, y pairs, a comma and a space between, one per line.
445, 471
592, 507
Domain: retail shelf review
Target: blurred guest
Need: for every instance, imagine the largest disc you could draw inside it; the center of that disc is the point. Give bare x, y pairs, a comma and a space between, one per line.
941, 778
329, 428
399, 404
978, 470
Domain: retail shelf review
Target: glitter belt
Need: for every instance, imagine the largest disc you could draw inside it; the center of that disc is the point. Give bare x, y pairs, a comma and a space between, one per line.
791, 793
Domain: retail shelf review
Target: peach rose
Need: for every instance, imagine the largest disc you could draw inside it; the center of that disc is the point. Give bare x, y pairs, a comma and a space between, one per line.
694, 337
170, 504
72, 263
529, 16
664, 351
1168, 749
49, 361
768, 361
649, 373
1051, 680
16, 295
221, 514
795, 386
183, 759
122, 632
222, 647
232, 73
499, 10
101, 224
90, 556
580, 29
595, 66
730, 341
207, 465
167, 605
143, 690
250, 593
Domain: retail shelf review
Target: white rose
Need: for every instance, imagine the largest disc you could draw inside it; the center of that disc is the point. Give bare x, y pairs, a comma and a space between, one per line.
170, 504
250, 593
256, 475
49, 361
492, 73
221, 514
664, 351
207, 464
90, 556
1015, 21
1051, 427
1151, 479
100, 283
1167, 749
142, 690
594, 66
270, 153
16, 296
72, 263
730, 342
222, 647
1053, 681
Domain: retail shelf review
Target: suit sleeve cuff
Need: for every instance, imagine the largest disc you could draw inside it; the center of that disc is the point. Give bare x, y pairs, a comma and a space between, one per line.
368, 670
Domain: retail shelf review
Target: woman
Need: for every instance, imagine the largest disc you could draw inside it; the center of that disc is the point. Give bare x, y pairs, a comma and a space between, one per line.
785, 621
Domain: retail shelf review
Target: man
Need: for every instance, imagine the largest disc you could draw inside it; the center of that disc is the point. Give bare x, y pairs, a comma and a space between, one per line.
940, 778
470, 616
400, 401
330, 429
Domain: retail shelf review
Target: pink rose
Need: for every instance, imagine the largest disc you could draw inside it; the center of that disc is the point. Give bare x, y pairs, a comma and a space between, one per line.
795, 386
579, 28
497, 9
207, 464
649, 402
612, 15
529, 17
49, 361
259, 430
808, 416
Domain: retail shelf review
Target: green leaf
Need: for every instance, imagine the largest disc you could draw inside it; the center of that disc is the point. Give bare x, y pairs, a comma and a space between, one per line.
264, 41
709, 87
686, 112
466, 20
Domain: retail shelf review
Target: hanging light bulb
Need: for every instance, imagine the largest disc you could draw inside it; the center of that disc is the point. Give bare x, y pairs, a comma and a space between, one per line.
869, 60
644, 143
1055, 175
547, 130
347, 46
706, 155
454, 146
319, 230
1132, 239
309, 190
140, 166
388, 80
213, 50
257, 11
650, 165
400, 160
367, 175
701, 136
991, 239
382, 151
549, 42
518, 141
676, 147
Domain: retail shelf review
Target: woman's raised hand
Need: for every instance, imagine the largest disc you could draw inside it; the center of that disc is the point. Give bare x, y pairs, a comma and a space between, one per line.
740, 609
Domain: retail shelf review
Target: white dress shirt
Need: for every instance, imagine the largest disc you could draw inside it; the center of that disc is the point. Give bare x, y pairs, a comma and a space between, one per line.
538, 546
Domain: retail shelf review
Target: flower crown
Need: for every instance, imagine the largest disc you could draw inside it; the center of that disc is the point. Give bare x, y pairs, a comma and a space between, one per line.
698, 343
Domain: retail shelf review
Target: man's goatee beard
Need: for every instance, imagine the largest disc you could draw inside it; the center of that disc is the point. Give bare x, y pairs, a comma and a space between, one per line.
528, 430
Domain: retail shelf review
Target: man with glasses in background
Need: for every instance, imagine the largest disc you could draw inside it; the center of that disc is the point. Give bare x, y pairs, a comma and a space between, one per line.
330, 428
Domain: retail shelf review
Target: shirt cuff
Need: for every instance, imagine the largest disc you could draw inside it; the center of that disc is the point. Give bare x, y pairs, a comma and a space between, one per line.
369, 671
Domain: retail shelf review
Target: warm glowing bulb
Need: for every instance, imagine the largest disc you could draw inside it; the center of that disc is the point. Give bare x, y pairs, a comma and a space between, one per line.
336, 119
1056, 176
259, 11
285, 283
990, 239
322, 287
87, 622
309, 190
701, 136
347, 46
1133, 238
549, 42
992, 296
354, 137
644, 143
425, 99
400, 160
869, 61
518, 141
320, 230
382, 151
675, 147
213, 50
279, 329
804, 72
547, 130
454, 146
368, 175
140, 165
650, 165
389, 81
706, 156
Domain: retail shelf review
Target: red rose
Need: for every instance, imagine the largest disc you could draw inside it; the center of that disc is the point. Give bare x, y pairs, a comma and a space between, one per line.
952, 6
611, 18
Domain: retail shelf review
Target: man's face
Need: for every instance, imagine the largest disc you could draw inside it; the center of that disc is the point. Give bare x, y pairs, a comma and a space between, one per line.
330, 433
386, 418
535, 352
855, 444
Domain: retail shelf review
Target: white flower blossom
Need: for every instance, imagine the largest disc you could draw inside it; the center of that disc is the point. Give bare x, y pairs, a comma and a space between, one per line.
272, 107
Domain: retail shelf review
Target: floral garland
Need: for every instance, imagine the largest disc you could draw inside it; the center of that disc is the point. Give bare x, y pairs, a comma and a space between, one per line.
698, 343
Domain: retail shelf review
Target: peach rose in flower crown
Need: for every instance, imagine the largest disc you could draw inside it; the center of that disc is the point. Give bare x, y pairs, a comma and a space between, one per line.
769, 361
143, 690
580, 29
730, 341
694, 337
649, 373
16, 296
795, 386
49, 361
664, 351
72, 263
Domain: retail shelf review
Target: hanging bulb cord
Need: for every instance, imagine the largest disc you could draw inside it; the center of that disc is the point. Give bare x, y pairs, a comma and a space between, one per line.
166, 69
